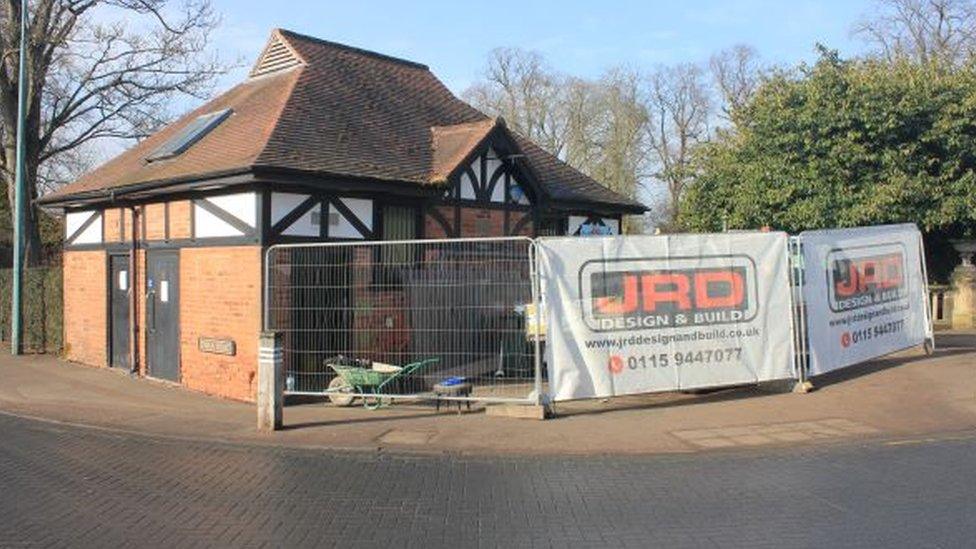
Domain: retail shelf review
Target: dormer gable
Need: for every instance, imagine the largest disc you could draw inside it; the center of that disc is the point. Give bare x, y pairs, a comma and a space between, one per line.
278, 55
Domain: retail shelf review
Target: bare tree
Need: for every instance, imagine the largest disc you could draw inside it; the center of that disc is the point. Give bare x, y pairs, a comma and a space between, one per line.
582, 105
97, 70
597, 126
521, 87
927, 31
606, 132
621, 129
678, 107
736, 72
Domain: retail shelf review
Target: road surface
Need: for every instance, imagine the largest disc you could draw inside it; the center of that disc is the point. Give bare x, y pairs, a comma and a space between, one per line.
63, 485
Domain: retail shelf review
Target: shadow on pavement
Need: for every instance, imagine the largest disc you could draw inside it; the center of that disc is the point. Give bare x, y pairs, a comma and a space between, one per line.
656, 400
946, 345
356, 414
879, 365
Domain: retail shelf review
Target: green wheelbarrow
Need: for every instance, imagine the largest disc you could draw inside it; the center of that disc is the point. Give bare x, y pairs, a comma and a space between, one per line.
354, 378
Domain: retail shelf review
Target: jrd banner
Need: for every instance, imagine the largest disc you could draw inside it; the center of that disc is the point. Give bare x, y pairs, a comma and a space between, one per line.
865, 294
638, 314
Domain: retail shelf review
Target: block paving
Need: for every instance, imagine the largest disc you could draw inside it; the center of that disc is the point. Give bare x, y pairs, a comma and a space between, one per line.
70, 486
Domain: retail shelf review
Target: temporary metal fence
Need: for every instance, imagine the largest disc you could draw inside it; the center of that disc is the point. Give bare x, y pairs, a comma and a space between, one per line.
801, 355
418, 319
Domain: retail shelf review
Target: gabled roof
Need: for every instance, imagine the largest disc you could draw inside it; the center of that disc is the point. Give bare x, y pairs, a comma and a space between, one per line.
452, 144
323, 108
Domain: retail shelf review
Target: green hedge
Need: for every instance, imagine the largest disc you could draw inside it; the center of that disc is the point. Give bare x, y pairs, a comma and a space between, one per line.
43, 309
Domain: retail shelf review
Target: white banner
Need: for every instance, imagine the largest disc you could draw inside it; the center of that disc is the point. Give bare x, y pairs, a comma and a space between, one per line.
636, 314
865, 294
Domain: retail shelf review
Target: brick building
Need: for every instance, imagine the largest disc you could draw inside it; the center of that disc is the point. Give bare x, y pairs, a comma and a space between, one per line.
164, 244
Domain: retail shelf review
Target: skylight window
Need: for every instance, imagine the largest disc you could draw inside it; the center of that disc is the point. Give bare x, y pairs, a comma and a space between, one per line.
185, 138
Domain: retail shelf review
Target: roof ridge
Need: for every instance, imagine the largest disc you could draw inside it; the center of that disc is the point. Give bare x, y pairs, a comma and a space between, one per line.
352, 49
273, 129
461, 125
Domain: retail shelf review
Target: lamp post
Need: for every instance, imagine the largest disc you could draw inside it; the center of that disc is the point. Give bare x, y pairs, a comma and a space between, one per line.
19, 195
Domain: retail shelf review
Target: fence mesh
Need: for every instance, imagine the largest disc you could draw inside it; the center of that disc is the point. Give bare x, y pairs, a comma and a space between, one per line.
417, 318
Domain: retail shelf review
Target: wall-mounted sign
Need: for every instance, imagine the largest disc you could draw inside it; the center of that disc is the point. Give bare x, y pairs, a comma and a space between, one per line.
217, 346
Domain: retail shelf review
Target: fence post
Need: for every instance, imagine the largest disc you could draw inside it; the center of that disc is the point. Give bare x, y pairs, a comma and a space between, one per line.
801, 355
270, 390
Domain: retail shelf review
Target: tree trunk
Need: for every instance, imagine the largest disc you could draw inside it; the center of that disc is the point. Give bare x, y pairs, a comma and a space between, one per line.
33, 247
30, 224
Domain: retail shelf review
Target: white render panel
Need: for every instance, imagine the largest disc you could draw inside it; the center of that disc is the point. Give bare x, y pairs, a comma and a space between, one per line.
283, 203
514, 193
207, 225
91, 235
74, 220
575, 221
361, 208
493, 164
243, 206
307, 224
467, 187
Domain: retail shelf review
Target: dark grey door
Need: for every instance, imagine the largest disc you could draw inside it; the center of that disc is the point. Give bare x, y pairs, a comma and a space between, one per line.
163, 314
120, 288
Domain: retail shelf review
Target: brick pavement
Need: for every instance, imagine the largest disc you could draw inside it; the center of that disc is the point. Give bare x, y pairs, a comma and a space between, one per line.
68, 486
904, 396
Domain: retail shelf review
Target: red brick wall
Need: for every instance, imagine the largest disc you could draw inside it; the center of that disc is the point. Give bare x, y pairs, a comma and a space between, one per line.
85, 307
527, 228
179, 219
152, 217
220, 296
111, 224
433, 228
479, 222
155, 223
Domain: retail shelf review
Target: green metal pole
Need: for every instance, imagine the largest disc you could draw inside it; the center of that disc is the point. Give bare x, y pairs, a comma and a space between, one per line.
19, 194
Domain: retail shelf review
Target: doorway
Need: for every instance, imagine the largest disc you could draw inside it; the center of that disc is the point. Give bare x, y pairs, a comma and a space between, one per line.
163, 314
120, 290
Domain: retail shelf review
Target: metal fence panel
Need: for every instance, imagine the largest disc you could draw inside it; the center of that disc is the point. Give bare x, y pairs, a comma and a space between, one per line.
438, 309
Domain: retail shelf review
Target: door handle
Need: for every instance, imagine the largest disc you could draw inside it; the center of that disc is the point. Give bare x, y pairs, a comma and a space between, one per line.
151, 310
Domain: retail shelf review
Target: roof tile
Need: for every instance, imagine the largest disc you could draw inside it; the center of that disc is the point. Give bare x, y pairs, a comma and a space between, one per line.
341, 111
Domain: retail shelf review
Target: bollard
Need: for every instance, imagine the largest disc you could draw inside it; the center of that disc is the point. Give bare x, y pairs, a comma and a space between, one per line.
270, 391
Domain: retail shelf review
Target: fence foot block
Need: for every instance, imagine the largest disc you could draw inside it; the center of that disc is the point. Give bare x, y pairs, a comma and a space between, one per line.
803, 387
518, 411
778, 386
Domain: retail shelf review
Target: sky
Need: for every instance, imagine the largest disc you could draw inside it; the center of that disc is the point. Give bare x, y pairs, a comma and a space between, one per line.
581, 38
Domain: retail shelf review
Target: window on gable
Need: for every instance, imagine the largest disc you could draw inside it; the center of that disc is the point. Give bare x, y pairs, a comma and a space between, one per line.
516, 194
193, 132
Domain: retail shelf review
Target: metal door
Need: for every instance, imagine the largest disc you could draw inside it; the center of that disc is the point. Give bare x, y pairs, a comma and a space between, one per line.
163, 314
120, 288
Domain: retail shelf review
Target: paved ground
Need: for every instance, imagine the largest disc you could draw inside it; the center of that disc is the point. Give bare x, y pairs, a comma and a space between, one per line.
69, 486
905, 396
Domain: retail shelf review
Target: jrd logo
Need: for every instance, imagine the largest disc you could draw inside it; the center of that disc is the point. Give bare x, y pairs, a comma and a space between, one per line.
862, 277
639, 294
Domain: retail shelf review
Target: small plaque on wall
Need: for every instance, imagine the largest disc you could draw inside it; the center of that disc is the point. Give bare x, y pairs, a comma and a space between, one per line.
217, 346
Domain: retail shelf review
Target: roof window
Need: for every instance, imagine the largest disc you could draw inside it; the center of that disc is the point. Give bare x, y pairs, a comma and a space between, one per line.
193, 132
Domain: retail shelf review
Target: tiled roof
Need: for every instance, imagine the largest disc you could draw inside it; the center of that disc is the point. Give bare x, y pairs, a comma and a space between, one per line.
234, 144
320, 107
452, 144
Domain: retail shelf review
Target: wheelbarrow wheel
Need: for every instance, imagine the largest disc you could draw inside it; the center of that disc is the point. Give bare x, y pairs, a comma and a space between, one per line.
375, 402
340, 392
